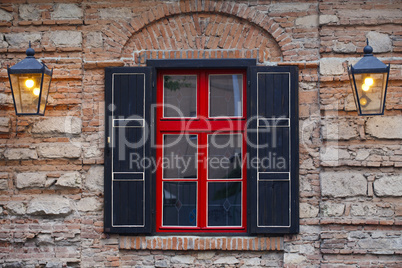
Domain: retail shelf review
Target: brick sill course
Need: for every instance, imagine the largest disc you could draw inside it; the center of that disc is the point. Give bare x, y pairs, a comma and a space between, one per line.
200, 243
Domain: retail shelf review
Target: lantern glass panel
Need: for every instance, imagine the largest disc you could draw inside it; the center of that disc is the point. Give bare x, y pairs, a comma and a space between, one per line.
370, 89
45, 92
26, 92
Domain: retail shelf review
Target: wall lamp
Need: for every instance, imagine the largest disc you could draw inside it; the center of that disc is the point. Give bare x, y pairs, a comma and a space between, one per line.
30, 83
369, 80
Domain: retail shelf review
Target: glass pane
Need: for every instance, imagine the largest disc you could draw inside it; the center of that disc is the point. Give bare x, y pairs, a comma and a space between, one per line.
225, 95
179, 204
26, 90
180, 95
180, 156
371, 90
45, 92
224, 156
224, 204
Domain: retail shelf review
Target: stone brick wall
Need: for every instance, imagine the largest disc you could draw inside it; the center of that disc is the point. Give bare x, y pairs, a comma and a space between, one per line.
51, 168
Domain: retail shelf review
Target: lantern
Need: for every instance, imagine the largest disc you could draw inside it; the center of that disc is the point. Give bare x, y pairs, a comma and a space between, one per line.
30, 83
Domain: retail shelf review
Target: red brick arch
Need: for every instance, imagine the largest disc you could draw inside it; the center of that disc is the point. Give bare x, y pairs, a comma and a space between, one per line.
201, 31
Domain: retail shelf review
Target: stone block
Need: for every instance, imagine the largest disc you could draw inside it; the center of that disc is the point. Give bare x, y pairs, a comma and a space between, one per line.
69, 180
308, 210
343, 184
29, 12
5, 98
20, 154
288, 7
17, 208
4, 125
341, 47
58, 125
94, 39
307, 21
92, 152
326, 19
183, 259
331, 155
17, 39
115, 13
339, 129
385, 127
66, 38
66, 12
3, 184
3, 44
362, 154
331, 66
227, 260
59, 150
94, 179
379, 42
49, 205
89, 204
332, 209
388, 186
293, 258
5, 16
30, 180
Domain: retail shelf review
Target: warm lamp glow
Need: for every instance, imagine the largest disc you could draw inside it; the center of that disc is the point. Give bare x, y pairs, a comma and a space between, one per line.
369, 81
363, 101
36, 91
365, 87
29, 83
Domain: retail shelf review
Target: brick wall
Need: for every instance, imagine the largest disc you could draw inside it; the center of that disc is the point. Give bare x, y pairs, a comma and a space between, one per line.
51, 168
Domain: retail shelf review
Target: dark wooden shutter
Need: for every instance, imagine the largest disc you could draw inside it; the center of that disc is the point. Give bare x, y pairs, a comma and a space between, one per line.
273, 150
127, 182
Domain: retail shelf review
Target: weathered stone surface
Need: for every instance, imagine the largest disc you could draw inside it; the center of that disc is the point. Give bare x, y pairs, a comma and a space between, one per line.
59, 150
20, 154
5, 98
338, 129
287, 7
15, 207
307, 21
379, 42
326, 19
115, 13
388, 127
94, 179
3, 184
307, 164
66, 12
226, 260
343, 184
350, 103
16, 39
331, 155
388, 186
293, 258
329, 209
4, 125
29, 12
183, 259
70, 180
308, 211
331, 66
66, 38
380, 243
5, 16
94, 39
252, 262
58, 125
3, 44
341, 47
49, 205
30, 180
89, 204
362, 154
91, 152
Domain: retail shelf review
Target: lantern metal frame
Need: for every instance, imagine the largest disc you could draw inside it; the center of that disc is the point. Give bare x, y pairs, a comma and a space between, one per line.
26, 67
368, 65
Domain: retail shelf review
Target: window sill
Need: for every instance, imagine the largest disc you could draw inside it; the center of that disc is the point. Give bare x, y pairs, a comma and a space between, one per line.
254, 243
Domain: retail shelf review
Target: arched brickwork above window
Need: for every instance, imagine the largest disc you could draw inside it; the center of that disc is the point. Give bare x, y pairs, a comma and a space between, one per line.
202, 36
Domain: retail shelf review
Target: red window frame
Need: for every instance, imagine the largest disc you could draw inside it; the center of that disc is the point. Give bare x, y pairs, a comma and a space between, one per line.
223, 125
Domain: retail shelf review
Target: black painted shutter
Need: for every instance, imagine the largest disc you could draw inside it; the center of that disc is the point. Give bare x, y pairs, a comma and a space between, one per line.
127, 182
273, 150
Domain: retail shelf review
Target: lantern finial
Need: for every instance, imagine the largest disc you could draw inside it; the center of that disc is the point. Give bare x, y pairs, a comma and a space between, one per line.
368, 50
30, 51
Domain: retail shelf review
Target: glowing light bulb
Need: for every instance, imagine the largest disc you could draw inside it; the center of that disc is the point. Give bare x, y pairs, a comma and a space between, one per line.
29, 83
36, 91
363, 101
365, 87
369, 81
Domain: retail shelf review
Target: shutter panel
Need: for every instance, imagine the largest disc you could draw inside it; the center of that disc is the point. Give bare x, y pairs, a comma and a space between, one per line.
272, 132
127, 182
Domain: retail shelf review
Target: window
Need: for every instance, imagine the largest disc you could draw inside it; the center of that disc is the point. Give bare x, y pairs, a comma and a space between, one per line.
201, 146
201, 141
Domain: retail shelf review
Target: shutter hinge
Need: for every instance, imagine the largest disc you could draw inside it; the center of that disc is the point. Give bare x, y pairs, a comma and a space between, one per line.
108, 140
